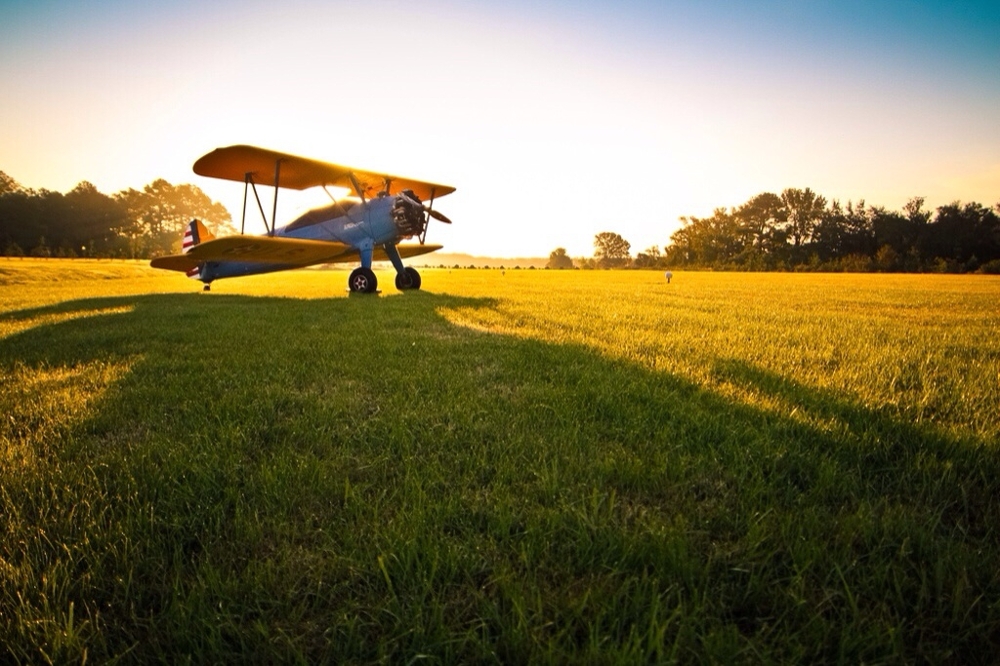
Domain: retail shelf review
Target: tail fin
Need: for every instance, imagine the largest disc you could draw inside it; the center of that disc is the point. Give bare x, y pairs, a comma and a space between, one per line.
195, 233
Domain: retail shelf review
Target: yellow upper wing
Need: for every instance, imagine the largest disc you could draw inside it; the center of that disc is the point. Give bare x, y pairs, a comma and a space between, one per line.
294, 252
299, 173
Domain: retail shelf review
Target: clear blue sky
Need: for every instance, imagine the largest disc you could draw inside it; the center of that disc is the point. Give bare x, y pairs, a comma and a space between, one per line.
555, 120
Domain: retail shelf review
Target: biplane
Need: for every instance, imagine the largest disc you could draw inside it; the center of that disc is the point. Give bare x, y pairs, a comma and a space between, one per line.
367, 225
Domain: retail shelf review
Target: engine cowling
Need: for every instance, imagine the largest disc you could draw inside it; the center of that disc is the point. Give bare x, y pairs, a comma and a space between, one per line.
408, 216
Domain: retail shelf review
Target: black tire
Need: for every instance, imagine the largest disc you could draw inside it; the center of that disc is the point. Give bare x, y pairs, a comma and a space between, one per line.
362, 281
408, 279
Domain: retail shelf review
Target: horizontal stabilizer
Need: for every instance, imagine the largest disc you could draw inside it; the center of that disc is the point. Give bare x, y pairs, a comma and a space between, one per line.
176, 262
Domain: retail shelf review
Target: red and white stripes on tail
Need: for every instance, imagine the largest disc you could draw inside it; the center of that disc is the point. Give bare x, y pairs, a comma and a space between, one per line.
195, 233
189, 241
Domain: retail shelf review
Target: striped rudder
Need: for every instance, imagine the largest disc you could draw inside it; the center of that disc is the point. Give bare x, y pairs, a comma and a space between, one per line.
195, 233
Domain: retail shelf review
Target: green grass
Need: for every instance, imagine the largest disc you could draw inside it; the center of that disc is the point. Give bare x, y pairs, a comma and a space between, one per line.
524, 467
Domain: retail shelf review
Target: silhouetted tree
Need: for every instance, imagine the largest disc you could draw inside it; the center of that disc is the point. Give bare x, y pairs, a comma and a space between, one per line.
961, 232
651, 257
798, 229
8, 184
718, 241
611, 250
843, 231
803, 209
559, 259
157, 215
90, 217
86, 222
41, 249
27, 215
760, 221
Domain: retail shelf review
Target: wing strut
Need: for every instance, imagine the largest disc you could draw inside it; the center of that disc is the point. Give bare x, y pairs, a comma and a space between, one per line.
427, 219
339, 205
249, 181
274, 211
357, 187
246, 188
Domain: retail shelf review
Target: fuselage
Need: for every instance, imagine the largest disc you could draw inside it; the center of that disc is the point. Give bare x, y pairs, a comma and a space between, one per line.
362, 225
353, 223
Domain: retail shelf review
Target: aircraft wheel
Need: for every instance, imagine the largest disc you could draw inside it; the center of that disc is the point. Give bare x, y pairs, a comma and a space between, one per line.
363, 281
410, 279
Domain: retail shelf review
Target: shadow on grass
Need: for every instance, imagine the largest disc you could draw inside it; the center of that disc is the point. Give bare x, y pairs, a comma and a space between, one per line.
359, 479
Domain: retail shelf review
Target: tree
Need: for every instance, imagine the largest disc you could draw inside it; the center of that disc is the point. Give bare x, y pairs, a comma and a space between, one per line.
707, 241
798, 228
611, 250
8, 184
961, 232
82, 217
887, 259
27, 215
892, 229
559, 259
41, 249
803, 208
844, 231
158, 214
649, 258
92, 219
760, 220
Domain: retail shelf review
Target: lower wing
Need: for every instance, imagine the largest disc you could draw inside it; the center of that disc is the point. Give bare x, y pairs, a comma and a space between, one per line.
405, 250
256, 249
294, 252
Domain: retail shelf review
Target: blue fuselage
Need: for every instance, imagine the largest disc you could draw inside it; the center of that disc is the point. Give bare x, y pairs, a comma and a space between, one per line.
362, 225
356, 224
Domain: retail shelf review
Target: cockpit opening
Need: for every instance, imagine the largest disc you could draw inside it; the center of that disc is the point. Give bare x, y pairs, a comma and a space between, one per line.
323, 213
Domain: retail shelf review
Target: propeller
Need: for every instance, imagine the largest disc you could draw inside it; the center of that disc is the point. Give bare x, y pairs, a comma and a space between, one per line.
427, 209
436, 215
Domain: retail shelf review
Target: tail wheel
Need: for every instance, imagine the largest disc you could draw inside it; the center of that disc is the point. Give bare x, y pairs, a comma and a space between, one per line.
362, 281
408, 279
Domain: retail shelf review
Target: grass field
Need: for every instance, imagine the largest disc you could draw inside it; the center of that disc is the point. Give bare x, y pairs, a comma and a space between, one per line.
529, 466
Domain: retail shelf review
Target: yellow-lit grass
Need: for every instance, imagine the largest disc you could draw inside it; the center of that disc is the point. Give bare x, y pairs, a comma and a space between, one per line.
927, 346
39, 405
47, 508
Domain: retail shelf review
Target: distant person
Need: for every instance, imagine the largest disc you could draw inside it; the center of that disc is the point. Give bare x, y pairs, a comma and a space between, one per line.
668, 275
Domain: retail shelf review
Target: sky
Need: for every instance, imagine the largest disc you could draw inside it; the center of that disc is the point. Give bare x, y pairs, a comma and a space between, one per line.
554, 119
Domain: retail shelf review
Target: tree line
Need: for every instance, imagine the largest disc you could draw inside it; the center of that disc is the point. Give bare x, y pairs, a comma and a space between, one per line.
84, 222
796, 230
801, 230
